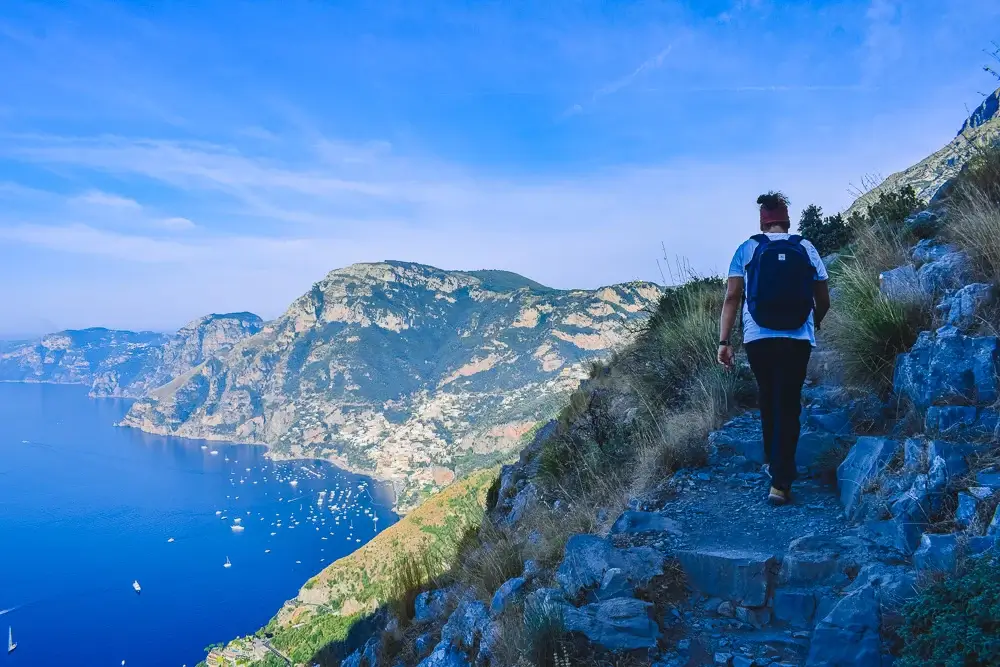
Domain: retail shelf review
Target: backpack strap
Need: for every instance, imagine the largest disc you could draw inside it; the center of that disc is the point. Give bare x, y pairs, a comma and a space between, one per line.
762, 240
795, 238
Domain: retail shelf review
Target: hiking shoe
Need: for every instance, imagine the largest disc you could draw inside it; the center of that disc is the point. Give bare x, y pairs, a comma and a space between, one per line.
779, 497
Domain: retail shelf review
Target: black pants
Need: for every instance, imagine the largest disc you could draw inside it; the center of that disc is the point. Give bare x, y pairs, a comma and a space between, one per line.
779, 364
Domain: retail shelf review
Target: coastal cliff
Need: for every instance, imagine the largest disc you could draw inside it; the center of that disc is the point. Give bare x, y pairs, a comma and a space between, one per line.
404, 371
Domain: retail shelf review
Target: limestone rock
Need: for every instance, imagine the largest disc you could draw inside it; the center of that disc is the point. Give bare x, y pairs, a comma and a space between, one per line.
849, 636
430, 605
639, 523
466, 624
506, 594
795, 606
963, 307
948, 370
587, 558
621, 624
743, 577
866, 460
950, 271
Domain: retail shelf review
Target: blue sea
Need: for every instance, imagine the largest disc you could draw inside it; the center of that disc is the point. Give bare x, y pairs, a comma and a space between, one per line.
86, 508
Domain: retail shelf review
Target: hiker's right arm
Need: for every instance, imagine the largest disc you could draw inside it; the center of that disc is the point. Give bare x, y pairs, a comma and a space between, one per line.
730, 308
821, 295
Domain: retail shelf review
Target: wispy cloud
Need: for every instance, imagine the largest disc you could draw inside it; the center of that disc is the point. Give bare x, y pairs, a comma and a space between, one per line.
98, 198
652, 63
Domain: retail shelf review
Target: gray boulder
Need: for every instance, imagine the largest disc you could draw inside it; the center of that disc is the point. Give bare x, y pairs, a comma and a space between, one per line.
968, 504
849, 636
962, 308
588, 557
366, 656
989, 478
951, 270
936, 553
621, 624
639, 523
466, 624
822, 560
930, 250
743, 577
445, 655
948, 370
911, 514
519, 506
795, 606
901, 285
430, 605
508, 592
866, 460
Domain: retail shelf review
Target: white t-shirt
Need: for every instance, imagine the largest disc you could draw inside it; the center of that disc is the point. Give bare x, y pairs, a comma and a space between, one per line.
751, 331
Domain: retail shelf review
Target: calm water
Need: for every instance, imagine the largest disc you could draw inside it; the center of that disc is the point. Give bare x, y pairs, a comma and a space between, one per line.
86, 508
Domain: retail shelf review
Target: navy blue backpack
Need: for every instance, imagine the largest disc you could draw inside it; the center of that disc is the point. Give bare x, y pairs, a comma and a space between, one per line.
779, 286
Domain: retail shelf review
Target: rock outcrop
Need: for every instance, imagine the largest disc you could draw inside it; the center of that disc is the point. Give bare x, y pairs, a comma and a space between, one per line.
930, 174
124, 363
402, 370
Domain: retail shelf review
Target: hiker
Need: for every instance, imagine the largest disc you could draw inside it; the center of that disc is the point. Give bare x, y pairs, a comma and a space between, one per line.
782, 284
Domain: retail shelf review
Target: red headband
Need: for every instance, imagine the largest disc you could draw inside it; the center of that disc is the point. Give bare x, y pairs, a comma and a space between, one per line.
775, 216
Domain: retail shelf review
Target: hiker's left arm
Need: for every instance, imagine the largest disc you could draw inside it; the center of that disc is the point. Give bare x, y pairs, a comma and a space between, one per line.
821, 295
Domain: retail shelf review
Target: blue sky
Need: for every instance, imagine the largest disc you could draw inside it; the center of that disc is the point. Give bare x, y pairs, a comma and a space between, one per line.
159, 161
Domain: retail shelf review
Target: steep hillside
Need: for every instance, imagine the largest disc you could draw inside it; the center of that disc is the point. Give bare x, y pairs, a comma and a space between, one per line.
401, 370
123, 363
202, 339
981, 129
79, 356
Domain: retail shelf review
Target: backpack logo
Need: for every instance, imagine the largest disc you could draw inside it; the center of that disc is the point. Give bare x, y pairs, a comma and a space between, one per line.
781, 257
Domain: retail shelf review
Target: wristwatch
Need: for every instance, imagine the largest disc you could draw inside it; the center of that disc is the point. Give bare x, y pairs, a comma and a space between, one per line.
724, 343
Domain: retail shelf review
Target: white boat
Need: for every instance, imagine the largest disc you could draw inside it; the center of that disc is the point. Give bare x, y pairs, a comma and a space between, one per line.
237, 520
218, 512
294, 482
237, 528
136, 586
170, 539
204, 446
11, 644
214, 452
227, 563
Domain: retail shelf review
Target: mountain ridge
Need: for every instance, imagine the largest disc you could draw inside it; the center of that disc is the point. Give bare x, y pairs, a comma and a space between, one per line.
400, 370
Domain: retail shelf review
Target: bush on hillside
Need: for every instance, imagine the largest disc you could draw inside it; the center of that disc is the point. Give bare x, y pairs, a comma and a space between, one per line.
955, 622
888, 211
865, 327
830, 234
974, 213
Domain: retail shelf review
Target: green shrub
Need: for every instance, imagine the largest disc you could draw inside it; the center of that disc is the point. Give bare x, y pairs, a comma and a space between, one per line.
830, 234
974, 213
955, 622
870, 330
889, 210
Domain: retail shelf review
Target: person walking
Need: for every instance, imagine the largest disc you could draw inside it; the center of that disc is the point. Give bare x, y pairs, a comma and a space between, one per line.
782, 283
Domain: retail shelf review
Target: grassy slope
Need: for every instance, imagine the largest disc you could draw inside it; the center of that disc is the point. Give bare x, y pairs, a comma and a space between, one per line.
330, 603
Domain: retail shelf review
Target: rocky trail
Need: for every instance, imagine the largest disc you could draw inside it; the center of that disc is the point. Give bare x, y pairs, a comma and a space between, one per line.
765, 580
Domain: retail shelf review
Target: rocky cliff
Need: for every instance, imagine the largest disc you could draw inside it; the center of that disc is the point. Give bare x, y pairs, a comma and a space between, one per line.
205, 338
79, 356
402, 370
980, 130
123, 363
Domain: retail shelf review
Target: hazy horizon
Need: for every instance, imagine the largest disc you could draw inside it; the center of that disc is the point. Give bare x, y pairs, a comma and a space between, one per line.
161, 163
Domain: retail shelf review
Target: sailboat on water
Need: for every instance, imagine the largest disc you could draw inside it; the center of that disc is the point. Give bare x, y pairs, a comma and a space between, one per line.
227, 563
11, 644
136, 586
